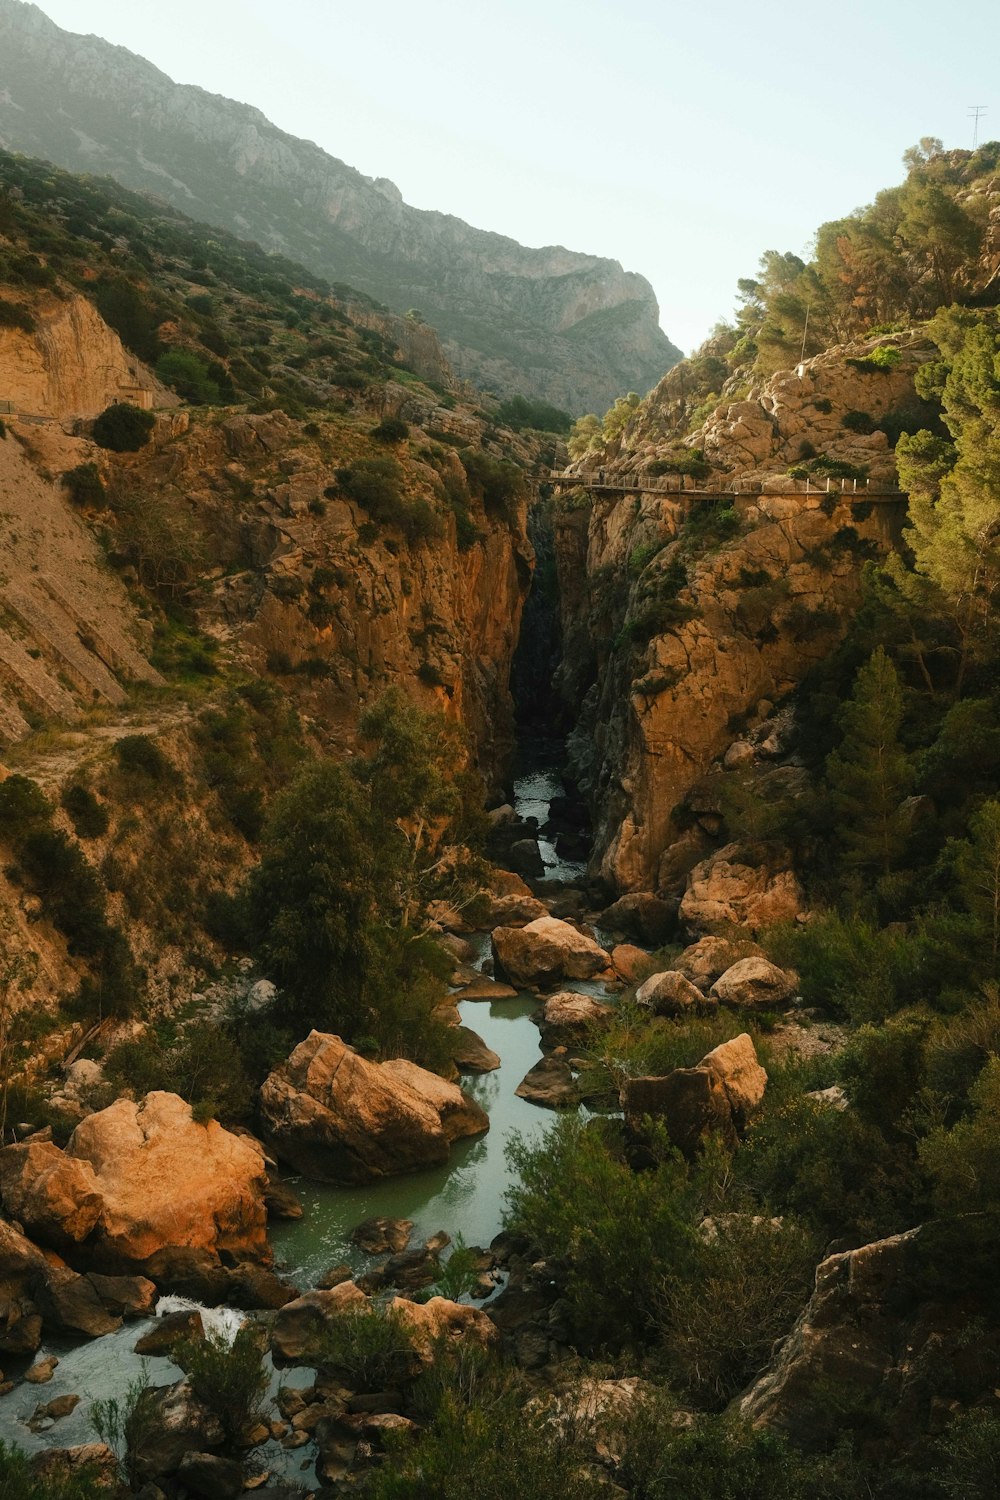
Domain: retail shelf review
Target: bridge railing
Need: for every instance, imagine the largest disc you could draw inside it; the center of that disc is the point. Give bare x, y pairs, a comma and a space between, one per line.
673, 484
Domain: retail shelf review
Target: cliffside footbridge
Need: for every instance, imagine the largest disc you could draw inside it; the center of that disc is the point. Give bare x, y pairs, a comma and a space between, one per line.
668, 485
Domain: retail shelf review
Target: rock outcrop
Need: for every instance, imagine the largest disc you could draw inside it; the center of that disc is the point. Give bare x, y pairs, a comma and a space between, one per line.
889, 1324
740, 887
670, 644
718, 1095
571, 328
335, 1116
546, 951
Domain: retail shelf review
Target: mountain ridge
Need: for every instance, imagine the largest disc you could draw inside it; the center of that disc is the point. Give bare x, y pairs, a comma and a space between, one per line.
511, 317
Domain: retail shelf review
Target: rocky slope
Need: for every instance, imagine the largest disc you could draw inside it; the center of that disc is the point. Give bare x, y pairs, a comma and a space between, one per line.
569, 328
686, 621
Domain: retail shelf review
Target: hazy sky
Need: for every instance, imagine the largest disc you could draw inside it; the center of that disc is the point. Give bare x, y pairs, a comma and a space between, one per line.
682, 139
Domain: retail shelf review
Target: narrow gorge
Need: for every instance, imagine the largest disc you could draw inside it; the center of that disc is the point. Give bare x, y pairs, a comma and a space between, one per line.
498, 915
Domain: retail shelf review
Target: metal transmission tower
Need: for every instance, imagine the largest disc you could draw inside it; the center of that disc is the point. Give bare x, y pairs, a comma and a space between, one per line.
975, 111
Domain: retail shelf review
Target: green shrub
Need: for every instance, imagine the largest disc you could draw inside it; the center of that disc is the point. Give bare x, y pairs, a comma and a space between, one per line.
969, 1463
88, 816
498, 483
230, 1378
519, 412
370, 1349
189, 376
204, 1066
139, 755
16, 315
622, 1235
24, 808
123, 428
859, 421
85, 486
21, 1480
391, 430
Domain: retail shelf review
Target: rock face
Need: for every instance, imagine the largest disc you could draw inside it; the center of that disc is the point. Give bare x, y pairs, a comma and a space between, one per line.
570, 328
889, 1322
658, 703
72, 364
55, 1197
546, 951
718, 1095
334, 1116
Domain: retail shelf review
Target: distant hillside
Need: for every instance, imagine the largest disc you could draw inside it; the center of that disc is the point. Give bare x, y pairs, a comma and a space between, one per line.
568, 328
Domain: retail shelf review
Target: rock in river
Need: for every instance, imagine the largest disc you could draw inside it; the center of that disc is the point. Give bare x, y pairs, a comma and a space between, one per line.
546, 951
335, 1116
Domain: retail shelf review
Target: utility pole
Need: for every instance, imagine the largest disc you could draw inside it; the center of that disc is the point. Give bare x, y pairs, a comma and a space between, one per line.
975, 110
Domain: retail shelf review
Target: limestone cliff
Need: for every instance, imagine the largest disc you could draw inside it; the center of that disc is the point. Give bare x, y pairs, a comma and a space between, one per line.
572, 329
687, 619
71, 364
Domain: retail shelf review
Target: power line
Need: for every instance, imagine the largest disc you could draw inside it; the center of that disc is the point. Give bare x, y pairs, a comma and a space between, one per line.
975, 110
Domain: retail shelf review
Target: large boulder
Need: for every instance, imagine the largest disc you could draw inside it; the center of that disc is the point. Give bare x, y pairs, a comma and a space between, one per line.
299, 1330
740, 887
735, 1067
568, 1018
53, 1196
630, 963
173, 1423
755, 982
168, 1183
669, 993
335, 1116
704, 961
546, 951
889, 1323
441, 1322
471, 1054
718, 1095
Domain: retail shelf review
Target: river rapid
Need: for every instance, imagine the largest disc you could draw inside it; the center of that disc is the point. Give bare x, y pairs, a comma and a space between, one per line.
465, 1198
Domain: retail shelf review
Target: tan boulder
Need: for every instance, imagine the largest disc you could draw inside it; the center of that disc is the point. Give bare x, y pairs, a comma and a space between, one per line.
55, 1197
641, 914
459, 1114
755, 982
551, 1084
735, 1065
729, 889
629, 962
515, 910
299, 1328
718, 1096
546, 951
569, 1017
167, 1182
440, 1321
337, 1117
669, 993
704, 961
486, 989
471, 1054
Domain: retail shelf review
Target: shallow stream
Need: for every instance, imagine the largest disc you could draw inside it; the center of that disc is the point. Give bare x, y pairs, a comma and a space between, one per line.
464, 1197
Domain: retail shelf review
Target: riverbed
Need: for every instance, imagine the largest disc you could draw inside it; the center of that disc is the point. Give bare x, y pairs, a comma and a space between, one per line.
465, 1197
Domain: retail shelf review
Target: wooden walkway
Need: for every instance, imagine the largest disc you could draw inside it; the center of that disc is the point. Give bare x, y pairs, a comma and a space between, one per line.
674, 484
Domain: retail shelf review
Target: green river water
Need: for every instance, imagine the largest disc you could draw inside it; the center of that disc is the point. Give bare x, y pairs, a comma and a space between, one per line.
463, 1197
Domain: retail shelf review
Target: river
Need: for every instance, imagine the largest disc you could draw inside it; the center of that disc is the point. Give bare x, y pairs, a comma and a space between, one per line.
464, 1197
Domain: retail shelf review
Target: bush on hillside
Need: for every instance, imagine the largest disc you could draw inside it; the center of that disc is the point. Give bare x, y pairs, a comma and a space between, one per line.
122, 428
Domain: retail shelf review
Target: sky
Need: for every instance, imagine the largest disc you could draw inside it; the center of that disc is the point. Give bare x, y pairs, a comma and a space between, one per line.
682, 139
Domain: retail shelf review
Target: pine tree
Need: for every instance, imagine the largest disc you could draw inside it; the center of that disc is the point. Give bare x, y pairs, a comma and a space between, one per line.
870, 774
978, 868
